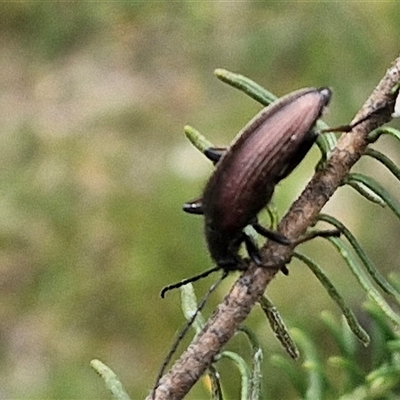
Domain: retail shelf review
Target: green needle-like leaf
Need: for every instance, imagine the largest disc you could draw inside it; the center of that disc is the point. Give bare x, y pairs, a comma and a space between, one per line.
279, 328
378, 189
365, 192
243, 370
252, 337
354, 325
369, 265
246, 85
111, 380
256, 373
273, 215
375, 135
372, 293
197, 139
326, 141
256, 376
386, 161
189, 307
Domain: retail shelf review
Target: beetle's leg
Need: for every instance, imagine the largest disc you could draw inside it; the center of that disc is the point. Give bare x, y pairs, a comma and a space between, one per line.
189, 280
254, 253
214, 153
272, 235
194, 207
284, 270
252, 249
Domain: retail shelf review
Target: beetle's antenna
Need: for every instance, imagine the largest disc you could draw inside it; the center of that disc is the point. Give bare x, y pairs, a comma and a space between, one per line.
188, 280
348, 128
189, 323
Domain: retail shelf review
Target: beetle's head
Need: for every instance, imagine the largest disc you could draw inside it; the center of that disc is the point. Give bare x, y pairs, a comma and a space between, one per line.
326, 94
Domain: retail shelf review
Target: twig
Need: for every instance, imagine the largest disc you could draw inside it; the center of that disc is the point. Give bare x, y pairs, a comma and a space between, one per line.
249, 288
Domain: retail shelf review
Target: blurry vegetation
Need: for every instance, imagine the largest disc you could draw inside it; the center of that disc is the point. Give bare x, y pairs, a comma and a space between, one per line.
94, 168
349, 372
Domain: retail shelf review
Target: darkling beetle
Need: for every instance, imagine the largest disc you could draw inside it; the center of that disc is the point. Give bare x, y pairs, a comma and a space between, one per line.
266, 151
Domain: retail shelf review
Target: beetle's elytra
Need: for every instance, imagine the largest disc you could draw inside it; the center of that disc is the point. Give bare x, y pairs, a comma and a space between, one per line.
266, 151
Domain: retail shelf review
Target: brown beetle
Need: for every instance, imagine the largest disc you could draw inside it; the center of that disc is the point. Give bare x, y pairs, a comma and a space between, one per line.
266, 151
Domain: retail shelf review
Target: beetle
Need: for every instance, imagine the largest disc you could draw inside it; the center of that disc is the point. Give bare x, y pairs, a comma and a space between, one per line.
266, 151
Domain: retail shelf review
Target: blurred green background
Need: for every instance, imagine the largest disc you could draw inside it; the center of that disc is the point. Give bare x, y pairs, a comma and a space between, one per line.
94, 169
